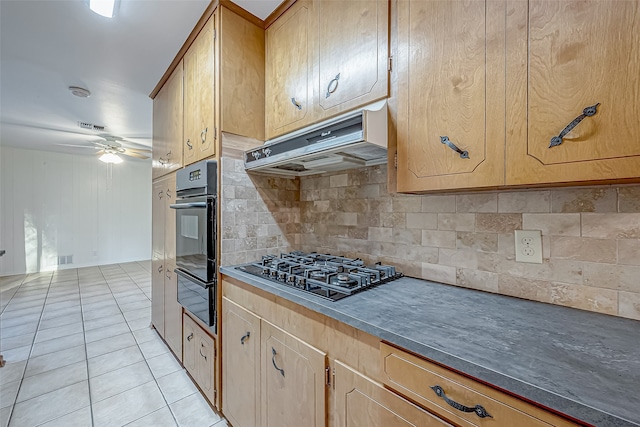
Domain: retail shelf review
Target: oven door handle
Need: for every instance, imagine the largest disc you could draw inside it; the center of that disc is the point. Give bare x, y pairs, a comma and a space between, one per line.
188, 205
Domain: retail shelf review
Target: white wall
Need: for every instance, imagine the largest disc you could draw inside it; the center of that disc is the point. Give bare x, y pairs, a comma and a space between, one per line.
61, 204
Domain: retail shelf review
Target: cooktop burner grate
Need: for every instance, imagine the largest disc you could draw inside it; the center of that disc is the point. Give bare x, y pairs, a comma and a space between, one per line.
331, 277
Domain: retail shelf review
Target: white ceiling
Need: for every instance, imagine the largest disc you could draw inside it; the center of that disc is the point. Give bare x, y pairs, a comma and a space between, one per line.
47, 46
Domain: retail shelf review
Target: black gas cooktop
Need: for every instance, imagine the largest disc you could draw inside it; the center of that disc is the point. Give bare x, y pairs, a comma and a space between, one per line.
331, 277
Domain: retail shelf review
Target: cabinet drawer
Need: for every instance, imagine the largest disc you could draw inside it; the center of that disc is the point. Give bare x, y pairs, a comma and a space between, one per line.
414, 378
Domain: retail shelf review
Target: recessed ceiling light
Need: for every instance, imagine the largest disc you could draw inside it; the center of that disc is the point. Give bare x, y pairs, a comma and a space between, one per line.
79, 91
106, 8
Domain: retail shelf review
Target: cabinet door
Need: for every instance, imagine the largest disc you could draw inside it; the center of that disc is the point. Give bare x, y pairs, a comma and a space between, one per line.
199, 126
172, 311
159, 140
157, 294
189, 345
191, 105
173, 155
241, 365
170, 219
293, 380
288, 88
205, 362
158, 218
450, 94
206, 78
563, 57
361, 402
353, 45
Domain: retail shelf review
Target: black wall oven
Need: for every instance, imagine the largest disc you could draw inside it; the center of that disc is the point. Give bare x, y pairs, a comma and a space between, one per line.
196, 191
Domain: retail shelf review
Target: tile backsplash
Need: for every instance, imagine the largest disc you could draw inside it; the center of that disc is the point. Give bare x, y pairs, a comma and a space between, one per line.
591, 235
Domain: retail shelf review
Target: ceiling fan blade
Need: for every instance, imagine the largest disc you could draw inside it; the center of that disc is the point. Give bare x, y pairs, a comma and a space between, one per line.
138, 151
79, 146
136, 155
142, 143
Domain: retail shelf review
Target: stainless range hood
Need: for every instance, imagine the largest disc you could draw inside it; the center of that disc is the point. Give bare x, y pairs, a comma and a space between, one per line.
352, 140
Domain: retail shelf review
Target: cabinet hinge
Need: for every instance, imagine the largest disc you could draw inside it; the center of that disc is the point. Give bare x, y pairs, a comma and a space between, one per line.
395, 160
215, 132
390, 64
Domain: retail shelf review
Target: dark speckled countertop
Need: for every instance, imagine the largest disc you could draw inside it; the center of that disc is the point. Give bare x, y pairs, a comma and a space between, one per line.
582, 364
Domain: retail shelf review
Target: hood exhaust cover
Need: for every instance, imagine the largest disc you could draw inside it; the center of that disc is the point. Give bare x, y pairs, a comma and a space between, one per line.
351, 140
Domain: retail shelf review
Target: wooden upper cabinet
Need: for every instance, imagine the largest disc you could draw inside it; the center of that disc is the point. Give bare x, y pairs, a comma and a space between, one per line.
563, 57
353, 53
450, 94
288, 90
199, 100
293, 385
168, 125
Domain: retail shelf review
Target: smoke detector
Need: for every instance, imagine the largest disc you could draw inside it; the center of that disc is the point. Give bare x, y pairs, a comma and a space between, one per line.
79, 92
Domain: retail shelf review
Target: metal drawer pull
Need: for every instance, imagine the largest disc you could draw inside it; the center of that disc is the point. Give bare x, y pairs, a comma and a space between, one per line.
587, 112
189, 144
273, 359
464, 154
478, 409
160, 269
333, 85
203, 135
296, 103
245, 337
201, 347
190, 337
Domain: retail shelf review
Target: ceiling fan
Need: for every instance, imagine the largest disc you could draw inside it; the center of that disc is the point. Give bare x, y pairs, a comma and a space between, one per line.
111, 148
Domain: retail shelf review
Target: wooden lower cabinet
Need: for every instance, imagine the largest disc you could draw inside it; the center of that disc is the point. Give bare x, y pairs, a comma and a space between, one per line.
293, 380
199, 357
361, 402
241, 358
417, 378
286, 366
172, 311
270, 378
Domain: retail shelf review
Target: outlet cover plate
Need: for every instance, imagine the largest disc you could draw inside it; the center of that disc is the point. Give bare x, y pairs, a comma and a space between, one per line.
529, 246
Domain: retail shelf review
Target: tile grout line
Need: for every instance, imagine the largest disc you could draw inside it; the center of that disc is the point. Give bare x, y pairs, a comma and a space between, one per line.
44, 303
155, 380
86, 354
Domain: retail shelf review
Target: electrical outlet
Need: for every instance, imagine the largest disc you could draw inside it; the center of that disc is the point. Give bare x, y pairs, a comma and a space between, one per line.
529, 246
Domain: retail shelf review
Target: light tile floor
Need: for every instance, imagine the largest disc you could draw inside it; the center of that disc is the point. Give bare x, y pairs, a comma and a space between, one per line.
80, 352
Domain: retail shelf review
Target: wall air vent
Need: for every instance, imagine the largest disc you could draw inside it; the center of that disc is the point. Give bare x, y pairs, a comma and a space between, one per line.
91, 126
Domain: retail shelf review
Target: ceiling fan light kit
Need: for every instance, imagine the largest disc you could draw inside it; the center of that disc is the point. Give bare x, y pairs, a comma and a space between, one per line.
110, 158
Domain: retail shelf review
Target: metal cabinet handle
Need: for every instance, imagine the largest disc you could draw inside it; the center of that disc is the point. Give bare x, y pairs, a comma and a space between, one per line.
160, 193
478, 409
464, 154
203, 135
201, 347
273, 359
162, 161
587, 112
160, 269
189, 144
245, 337
168, 155
190, 337
167, 274
333, 85
169, 193
296, 103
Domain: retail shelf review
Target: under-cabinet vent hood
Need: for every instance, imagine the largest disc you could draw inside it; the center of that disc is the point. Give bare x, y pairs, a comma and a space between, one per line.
352, 140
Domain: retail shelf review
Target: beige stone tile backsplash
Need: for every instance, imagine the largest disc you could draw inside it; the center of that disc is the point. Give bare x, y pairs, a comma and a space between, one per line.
259, 215
591, 235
